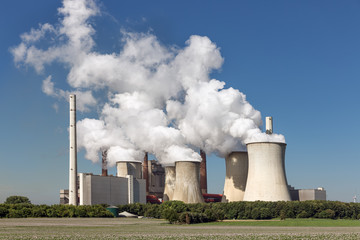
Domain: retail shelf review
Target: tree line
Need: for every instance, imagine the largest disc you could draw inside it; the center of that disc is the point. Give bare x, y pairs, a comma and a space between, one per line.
179, 212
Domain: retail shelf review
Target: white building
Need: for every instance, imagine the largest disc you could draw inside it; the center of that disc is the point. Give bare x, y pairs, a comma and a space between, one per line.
95, 189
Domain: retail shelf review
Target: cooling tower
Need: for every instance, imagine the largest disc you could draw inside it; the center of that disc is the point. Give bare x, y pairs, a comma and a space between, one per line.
73, 153
187, 185
236, 175
129, 168
266, 176
170, 177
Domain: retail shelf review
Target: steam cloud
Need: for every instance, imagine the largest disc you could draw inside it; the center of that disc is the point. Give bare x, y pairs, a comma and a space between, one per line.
160, 99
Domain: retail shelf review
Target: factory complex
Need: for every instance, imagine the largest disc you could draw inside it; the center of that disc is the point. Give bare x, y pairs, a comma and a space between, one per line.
257, 174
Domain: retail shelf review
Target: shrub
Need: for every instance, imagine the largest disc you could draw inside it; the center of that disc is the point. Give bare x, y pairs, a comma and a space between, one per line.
3, 212
255, 213
265, 213
282, 214
303, 214
170, 214
16, 200
193, 217
13, 213
328, 213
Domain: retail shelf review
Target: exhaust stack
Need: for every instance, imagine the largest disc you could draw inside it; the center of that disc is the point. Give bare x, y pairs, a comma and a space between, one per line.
170, 179
203, 173
104, 170
236, 176
266, 176
187, 185
145, 171
73, 190
269, 125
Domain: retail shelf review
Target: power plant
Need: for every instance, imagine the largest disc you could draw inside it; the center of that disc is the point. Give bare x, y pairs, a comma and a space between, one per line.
257, 174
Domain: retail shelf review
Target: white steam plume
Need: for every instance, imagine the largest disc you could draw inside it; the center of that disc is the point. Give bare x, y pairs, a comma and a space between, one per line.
160, 99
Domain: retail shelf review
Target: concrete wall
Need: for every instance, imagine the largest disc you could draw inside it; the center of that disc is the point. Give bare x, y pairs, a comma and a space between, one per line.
236, 175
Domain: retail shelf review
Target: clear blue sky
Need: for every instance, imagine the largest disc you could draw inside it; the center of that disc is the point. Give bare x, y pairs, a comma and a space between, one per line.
297, 61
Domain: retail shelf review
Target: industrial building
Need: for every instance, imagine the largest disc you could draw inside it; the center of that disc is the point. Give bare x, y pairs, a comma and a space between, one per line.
307, 194
257, 174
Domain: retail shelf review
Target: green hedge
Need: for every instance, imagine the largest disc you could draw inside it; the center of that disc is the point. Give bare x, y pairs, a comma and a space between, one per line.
23, 210
177, 211
205, 212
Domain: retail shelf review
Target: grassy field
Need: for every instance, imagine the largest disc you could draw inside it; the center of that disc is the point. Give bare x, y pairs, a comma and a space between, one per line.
96, 228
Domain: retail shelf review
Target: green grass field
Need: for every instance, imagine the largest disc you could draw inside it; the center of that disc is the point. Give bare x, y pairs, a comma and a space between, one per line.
119, 228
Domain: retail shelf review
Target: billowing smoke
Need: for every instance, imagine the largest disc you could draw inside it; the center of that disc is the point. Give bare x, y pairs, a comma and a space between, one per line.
159, 99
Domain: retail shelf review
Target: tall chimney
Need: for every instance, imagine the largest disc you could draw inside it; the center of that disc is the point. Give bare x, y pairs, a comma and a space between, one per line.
73, 190
203, 175
269, 125
104, 169
146, 171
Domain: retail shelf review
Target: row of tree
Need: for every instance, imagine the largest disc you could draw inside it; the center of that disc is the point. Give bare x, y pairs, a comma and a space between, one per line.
24, 210
177, 211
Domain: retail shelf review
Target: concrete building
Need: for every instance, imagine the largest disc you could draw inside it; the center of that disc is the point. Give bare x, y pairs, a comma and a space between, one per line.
156, 176
307, 194
266, 174
236, 175
187, 184
64, 196
95, 189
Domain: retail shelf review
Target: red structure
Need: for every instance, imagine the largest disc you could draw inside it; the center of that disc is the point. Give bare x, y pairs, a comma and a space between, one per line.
212, 197
203, 175
152, 199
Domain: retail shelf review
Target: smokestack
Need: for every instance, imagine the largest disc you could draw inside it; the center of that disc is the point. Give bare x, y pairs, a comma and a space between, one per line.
266, 176
203, 174
129, 168
73, 190
145, 171
104, 171
187, 185
236, 175
170, 179
269, 125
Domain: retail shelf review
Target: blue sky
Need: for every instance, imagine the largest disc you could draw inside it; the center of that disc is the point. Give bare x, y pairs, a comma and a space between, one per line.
297, 61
